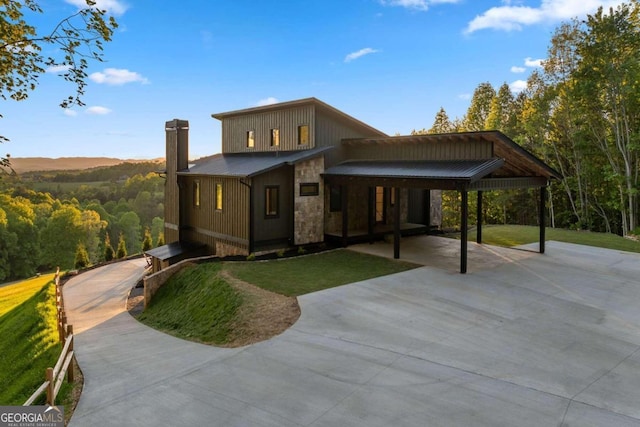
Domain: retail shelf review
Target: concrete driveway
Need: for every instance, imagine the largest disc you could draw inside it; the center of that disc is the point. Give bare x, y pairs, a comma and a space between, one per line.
522, 339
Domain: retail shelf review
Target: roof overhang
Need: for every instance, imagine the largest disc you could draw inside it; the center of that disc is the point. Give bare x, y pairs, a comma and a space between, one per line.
427, 174
247, 165
174, 249
518, 161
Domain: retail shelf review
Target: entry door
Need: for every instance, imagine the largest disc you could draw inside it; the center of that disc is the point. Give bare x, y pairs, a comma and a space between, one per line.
380, 205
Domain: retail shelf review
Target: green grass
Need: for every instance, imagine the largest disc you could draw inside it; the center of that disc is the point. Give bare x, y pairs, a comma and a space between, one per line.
514, 235
195, 304
302, 275
29, 341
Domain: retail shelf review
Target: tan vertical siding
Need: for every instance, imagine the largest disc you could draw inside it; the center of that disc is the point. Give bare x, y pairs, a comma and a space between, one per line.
234, 130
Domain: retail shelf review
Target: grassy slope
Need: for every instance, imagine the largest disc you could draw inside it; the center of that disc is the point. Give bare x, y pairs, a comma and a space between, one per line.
302, 275
513, 235
194, 304
29, 342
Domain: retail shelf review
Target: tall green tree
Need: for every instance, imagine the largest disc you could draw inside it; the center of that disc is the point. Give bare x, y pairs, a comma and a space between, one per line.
61, 236
121, 252
476, 117
608, 86
441, 123
82, 257
108, 249
22, 244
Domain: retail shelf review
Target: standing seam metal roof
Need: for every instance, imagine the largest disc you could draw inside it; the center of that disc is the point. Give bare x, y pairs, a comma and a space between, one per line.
245, 165
468, 170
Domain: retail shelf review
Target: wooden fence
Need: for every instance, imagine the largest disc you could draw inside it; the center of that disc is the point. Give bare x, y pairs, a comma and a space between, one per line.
54, 377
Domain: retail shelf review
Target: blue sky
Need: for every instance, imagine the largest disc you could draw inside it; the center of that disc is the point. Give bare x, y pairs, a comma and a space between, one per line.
389, 63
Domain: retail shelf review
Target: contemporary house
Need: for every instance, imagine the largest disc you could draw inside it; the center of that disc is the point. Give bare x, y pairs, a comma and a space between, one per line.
303, 172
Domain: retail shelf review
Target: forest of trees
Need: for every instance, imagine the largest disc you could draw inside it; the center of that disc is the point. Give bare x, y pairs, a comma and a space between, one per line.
580, 113
80, 224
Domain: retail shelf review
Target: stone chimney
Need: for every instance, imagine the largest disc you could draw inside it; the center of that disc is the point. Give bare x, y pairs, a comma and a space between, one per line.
177, 159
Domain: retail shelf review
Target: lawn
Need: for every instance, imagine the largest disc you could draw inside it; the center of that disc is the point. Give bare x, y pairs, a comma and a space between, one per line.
29, 334
302, 275
514, 235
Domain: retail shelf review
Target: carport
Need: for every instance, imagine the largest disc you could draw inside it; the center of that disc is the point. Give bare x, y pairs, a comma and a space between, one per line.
464, 162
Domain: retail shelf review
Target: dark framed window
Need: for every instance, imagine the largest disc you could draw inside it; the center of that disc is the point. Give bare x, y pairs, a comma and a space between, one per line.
309, 188
335, 198
251, 139
272, 201
303, 134
196, 193
218, 203
275, 137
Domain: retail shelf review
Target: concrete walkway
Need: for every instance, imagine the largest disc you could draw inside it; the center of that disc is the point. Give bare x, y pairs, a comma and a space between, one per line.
533, 340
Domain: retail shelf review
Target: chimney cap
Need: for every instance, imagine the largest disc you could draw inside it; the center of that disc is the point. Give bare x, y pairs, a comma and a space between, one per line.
176, 124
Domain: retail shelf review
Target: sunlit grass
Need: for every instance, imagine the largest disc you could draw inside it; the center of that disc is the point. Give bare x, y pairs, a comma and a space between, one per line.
30, 342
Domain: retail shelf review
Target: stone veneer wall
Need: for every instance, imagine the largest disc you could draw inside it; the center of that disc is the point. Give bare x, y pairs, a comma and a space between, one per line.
154, 281
308, 210
436, 208
224, 249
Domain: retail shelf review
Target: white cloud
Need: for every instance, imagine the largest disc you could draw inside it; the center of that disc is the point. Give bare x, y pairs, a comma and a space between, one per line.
465, 96
266, 101
533, 63
114, 7
58, 69
518, 86
362, 52
70, 113
415, 4
97, 110
515, 69
510, 18
117, 77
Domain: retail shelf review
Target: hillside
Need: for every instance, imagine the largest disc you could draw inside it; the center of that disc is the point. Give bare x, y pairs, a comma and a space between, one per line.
28, 164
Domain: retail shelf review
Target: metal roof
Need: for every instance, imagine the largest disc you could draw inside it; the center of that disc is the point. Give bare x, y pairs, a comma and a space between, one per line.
466, 170
173, 249
518, 161
245, 165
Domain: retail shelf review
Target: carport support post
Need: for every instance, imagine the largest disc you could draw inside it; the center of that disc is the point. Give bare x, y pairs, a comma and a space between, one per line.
371, 220
396, 225
345, 215
543, 217
479, 215
463, 231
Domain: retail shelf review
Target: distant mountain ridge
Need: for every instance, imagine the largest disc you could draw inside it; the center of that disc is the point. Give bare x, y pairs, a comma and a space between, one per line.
28, 164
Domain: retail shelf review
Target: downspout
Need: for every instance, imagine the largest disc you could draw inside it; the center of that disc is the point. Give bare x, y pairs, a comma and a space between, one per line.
251, 226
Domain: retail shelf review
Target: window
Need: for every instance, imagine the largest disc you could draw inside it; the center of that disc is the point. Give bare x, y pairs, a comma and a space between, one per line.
309, 189
251, 139
335, 198
303, 134
275, 137
196, 193
218, 197
271, 201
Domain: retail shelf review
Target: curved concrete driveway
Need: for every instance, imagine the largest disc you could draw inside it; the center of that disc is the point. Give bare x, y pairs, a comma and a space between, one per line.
536, 340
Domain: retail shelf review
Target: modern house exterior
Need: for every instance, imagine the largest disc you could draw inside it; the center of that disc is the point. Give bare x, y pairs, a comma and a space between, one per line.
303, 172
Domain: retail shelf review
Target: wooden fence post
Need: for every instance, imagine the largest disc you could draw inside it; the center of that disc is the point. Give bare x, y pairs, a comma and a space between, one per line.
70, 375
50, 387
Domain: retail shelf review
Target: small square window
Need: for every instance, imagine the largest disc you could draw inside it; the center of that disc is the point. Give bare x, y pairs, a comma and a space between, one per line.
309, 189
196, 193
275, 137
303, 134
271, 201
251, 140
218, 205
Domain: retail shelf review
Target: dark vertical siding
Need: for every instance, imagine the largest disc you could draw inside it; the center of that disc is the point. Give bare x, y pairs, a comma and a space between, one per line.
280, 228
330, 131
407, 150
234, 130
205, 223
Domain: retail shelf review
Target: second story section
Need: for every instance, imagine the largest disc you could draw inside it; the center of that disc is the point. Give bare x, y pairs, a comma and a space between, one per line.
289, 126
